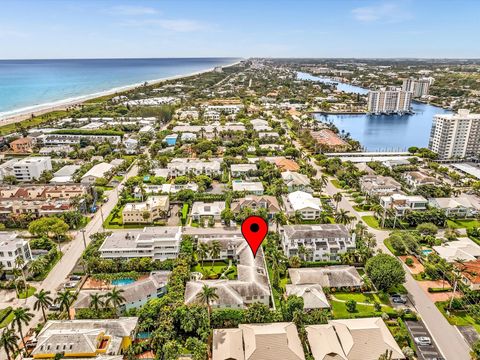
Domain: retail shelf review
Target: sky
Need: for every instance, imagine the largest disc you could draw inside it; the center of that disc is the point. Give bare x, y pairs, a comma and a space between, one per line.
43, 29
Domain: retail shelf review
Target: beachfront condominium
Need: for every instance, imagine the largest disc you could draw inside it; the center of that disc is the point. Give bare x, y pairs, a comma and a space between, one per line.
455, 135
389, 101
418, 87
31, 168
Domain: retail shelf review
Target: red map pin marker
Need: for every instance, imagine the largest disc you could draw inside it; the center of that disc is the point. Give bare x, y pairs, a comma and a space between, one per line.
254, 230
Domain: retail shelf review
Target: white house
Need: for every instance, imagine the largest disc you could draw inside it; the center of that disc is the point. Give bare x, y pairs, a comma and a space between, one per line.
241, 170
403, 203
201, 209
96, 172
308, 206
11, 248
296, 181
251, 187
180, 167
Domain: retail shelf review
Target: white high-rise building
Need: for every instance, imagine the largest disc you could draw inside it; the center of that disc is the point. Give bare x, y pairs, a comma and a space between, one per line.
418, 87
387, 101
31, 168
455, 135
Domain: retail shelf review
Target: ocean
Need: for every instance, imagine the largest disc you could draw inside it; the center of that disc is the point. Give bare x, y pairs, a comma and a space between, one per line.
26, 85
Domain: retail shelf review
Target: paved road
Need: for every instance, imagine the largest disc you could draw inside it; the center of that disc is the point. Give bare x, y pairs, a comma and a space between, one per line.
448, 339
425, 352
72, 253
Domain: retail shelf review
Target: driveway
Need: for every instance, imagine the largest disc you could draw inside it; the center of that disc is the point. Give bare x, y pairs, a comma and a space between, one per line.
174, 219
439, 296
416, 329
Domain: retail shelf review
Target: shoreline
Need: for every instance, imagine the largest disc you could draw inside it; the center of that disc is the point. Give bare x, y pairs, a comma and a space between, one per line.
14, 116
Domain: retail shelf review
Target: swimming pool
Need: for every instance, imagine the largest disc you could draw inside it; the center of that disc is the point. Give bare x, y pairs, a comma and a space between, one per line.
427, 252
122, 282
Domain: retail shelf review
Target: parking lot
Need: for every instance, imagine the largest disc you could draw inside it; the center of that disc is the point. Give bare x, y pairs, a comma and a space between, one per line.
425, 352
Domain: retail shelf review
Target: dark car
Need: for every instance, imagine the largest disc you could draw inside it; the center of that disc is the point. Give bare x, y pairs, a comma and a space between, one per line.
75, 278
398, 299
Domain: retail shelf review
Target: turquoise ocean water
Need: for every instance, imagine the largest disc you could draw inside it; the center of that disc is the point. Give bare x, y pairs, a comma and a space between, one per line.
26, 84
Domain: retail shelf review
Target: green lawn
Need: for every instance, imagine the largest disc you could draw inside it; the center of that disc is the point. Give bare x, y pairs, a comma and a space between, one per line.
461, 224
26, 294
7, 320
364, 298
216, 270
389, 246
458, 317
336, 183
339, 310
371, 221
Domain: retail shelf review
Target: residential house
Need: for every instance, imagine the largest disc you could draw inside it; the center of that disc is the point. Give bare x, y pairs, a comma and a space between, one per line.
463, 206
13, 247
22, 145
460, 249
242, 170
250, 286
180, 167
86, 339
201, 210
253, 202
171, 139
157, 243
272, 341
304, 203
378, 185
414, 179
470, 272
312, 295
146, 212
352, 339
391, 164
296, 181
98, 171
250, 187
321, 242
401, 204
131, 146
65, 174
188, 137
284, 164
332, 277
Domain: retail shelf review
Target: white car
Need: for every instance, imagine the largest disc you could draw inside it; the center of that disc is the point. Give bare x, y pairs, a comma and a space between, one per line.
423, 340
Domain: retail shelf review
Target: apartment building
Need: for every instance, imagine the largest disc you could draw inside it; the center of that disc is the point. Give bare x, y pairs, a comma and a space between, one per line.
180, 167
22, 146
12, 247
72, 139
322, 241
31, 168
250, 286
418, 87
146, 212
389, 101
225, 109
455, 135
158, 243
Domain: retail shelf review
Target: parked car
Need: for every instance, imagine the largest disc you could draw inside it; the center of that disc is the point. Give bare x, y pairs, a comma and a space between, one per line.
54, 308
70, 285
75, 278
398, 299
423, 340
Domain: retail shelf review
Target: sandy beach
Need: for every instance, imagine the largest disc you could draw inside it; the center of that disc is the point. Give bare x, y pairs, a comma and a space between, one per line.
14, 116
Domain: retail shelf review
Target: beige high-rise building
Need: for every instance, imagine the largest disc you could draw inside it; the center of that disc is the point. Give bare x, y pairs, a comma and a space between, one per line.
389, 101
418, 87
455, 135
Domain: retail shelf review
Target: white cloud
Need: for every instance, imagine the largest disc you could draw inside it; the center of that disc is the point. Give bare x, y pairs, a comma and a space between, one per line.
176, 25
386, 12
131, 10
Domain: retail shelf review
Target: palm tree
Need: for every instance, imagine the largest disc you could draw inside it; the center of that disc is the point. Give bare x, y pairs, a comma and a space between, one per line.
215, 248
43, 301
203, 250
64, 300
280, 219
206, 296
21, 317
337, 197
115, 298
96, 302
343, 217
9, 341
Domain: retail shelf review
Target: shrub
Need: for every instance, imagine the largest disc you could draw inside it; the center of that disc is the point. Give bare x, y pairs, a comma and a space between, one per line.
351, 305
409, 261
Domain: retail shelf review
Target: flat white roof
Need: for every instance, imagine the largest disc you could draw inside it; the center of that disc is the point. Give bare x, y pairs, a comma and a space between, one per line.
469, 169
